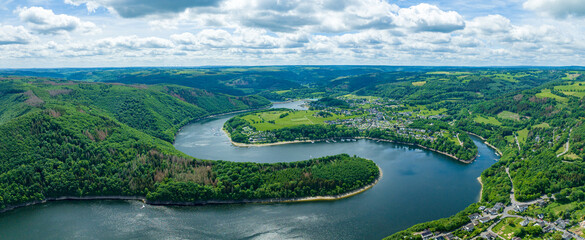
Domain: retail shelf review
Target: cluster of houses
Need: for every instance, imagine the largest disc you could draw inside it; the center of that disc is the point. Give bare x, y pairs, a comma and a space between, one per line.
373, 101
493, 210
428, 235
258, 136
362, 123
489, 214
377, 118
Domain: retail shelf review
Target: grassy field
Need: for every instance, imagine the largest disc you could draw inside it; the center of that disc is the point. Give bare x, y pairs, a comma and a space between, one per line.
510, 139
576, 89
556, 208
418, 84
507, 227
507, 77
572, 75
282, 91
560, 149
578, 230
545, 93
572, 156
522, 135
489, 120
509, 115
575, 86
261, 120
426, 112
576, 94
542, 125
352, 96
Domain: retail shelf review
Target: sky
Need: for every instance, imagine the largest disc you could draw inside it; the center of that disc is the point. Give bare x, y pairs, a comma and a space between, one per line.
175, 33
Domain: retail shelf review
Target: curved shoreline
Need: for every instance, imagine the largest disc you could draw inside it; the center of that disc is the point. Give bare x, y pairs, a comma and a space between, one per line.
430, 149
481, 190
217, 115
368, 138
274, 200
207, 202
487, 143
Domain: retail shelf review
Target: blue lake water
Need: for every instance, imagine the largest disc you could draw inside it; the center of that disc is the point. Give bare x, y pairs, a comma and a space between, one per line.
417, 186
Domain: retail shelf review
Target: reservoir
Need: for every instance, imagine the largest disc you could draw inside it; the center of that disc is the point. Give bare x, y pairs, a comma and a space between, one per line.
417, 186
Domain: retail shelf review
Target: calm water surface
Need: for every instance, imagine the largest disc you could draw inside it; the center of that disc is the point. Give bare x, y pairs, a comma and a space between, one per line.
417, 186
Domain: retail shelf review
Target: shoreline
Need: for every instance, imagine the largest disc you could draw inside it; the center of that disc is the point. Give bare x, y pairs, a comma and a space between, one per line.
481, 190
487, 143
344, 195
368, 138
273, 200
200, 203
73, 198
216, 115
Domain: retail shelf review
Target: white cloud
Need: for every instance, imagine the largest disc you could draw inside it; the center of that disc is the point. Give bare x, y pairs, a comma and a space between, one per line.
290, 32
140, 8
426, 17
557, 8
14, 35
488, 25
46, 22
134, 43
242, 38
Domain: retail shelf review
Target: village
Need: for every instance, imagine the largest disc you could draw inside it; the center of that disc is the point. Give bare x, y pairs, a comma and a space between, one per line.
365, 114
487, 218
489, 222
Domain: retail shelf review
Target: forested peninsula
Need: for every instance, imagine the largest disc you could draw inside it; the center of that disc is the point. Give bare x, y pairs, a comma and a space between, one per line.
79, 140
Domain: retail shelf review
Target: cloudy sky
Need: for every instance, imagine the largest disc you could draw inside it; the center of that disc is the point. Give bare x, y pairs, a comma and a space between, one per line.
120, 33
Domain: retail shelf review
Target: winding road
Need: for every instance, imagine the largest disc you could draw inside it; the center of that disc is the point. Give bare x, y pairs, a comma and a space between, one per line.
566, 144
509, 208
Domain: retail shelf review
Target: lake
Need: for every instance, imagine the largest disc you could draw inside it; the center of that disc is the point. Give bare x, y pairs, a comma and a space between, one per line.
417, 186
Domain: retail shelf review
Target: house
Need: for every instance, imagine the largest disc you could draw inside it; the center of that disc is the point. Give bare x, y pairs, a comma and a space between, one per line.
484, 219
481, 208
562, 224
493, 211
541, 224
520, 208
499, 206
474, 216
548, 229
426, 234
524, 223
541, 203
450, 236
567, 236
469, 227
540, 216
440, 238
490, 236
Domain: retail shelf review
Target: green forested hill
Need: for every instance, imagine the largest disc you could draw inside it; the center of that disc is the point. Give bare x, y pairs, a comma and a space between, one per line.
80, 139
155, 110
538, 125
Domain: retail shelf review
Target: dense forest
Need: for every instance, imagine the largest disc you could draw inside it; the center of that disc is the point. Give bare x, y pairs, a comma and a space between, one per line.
62, 138
109, 131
